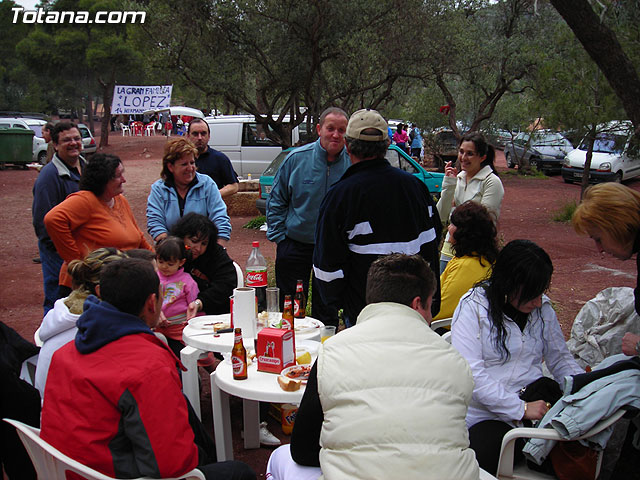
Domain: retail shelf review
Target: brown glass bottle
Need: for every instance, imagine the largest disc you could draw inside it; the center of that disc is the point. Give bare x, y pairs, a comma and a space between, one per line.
239, 357
287, 314
299, 303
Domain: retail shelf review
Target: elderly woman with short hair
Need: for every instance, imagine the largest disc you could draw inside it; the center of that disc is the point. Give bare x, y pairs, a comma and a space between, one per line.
96, 216
610, 215
182, 190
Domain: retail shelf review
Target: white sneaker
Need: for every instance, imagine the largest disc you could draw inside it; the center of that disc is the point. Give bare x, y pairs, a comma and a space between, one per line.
266, 437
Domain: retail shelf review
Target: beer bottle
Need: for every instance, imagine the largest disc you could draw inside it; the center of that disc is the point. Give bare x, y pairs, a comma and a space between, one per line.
287, 314
299, 304
239, 357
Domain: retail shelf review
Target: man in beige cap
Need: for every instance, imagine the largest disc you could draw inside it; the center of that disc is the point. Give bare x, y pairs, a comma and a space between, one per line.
374, 210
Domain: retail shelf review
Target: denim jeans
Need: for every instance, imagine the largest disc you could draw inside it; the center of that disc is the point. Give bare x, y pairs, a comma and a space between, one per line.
51, 264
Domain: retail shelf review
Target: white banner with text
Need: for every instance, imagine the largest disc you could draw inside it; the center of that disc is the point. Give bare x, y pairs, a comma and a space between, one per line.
137, 99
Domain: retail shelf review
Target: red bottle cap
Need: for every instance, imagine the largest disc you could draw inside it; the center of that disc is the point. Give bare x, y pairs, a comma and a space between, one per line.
255, 244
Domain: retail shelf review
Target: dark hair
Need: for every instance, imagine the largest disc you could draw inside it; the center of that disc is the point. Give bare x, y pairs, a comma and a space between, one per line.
195, 225
142, 253
482, 148
49, 126
522, 270
366, 149
400, 278
198, 120
171, 248
475, 234
99, 170
61, 127
174, 149
332, 111
126, 284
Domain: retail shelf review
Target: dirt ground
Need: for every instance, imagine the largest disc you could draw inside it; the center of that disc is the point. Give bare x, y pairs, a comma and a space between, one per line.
529, 203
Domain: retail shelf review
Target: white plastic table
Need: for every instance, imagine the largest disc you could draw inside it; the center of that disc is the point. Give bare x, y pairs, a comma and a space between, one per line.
200, 340
258, 387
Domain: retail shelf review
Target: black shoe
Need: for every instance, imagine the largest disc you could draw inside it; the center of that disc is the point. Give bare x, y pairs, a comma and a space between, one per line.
36, 259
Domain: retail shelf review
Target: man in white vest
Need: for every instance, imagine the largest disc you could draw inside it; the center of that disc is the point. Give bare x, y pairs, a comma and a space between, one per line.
388, 397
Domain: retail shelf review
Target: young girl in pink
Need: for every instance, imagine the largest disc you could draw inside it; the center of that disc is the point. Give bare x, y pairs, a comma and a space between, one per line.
179, 290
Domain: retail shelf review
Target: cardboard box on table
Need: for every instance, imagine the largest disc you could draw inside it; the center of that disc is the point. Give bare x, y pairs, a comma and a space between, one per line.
276, 350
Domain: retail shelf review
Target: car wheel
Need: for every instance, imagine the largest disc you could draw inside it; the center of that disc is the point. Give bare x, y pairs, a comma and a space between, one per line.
618, 178
508, 158
566, 180
42, 158
533, 163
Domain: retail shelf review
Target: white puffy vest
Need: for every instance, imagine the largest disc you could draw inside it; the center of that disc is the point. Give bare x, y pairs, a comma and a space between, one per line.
394, 397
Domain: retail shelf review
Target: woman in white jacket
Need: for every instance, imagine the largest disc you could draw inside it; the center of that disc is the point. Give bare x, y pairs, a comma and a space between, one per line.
477, 182
59, 324
505, 328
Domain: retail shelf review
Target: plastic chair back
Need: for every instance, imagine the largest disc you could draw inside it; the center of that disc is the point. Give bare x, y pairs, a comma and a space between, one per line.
239, 275
51, 464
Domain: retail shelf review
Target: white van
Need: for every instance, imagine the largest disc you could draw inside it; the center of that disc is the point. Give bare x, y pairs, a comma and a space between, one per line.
616, 155
35, 124
244, 141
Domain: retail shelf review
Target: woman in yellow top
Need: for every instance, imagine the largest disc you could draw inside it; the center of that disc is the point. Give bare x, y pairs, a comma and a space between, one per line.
472, 235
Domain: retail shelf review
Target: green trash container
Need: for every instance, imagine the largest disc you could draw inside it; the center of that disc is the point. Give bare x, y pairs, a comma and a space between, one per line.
16, 146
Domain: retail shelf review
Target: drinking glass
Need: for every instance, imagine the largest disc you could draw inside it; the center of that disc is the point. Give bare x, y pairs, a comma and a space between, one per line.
273, 304
326, 332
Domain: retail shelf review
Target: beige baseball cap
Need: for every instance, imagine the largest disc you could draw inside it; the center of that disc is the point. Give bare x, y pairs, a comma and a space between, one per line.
366, 119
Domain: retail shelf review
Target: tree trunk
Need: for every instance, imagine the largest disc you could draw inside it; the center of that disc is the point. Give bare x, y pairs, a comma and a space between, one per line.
586, 171
107, 97
603, 47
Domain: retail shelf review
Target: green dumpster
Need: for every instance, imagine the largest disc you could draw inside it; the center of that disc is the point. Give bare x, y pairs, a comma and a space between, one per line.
16, 146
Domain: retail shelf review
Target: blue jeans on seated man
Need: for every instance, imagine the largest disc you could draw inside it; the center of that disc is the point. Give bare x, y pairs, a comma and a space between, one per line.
51, 264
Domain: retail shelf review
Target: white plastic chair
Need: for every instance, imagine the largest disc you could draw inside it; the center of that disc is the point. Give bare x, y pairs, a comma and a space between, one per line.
150, 130
36, 337
506, 468
239, 275
125, 130
443, 322
51, 464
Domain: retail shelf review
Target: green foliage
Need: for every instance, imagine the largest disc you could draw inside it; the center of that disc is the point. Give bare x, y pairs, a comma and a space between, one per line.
565, 212
255, 223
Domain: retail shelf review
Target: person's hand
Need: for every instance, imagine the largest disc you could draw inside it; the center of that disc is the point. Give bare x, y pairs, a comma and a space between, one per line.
629, 342
450, 171
160, 237
193, 308
535, 410
162, 321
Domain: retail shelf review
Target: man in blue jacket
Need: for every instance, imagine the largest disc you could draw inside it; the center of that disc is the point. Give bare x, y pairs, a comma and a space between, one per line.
299, 186
374, 210
58, 179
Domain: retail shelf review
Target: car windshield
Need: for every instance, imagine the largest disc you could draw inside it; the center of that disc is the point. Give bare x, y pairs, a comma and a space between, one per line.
273, 167
606, 143
84, 132
551, 140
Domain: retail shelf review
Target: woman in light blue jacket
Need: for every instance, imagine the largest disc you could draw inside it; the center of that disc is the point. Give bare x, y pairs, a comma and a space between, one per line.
182, 190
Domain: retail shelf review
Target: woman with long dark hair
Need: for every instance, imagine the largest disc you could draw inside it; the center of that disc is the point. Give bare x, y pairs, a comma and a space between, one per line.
477, 181
505, 328
473, 236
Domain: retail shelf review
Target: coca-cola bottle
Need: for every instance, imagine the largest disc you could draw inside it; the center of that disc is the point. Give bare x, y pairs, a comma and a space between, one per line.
299, 304
256, 275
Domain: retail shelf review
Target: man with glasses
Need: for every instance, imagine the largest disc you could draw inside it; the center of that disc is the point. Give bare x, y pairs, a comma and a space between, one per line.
58, 179
212, 162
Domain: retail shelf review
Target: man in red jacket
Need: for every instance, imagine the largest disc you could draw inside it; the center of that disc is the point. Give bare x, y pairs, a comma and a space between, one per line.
112, 398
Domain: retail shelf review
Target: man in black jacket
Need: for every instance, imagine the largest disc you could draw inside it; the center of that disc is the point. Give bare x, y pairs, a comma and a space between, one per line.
375, 209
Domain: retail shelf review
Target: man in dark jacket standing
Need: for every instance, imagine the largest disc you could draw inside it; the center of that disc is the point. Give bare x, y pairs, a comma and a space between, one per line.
375, 209
56, 181
112, 399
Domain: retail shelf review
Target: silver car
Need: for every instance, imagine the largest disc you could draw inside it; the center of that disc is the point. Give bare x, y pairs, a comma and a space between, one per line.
544, 149
88, 142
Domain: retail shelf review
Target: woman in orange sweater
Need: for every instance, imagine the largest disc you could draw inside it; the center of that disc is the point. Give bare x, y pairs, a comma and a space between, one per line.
95, 216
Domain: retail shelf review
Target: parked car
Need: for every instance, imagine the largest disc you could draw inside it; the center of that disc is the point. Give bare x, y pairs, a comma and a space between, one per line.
89, 146
39, 145
616, 155
545, 150
244, 141
395, 156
